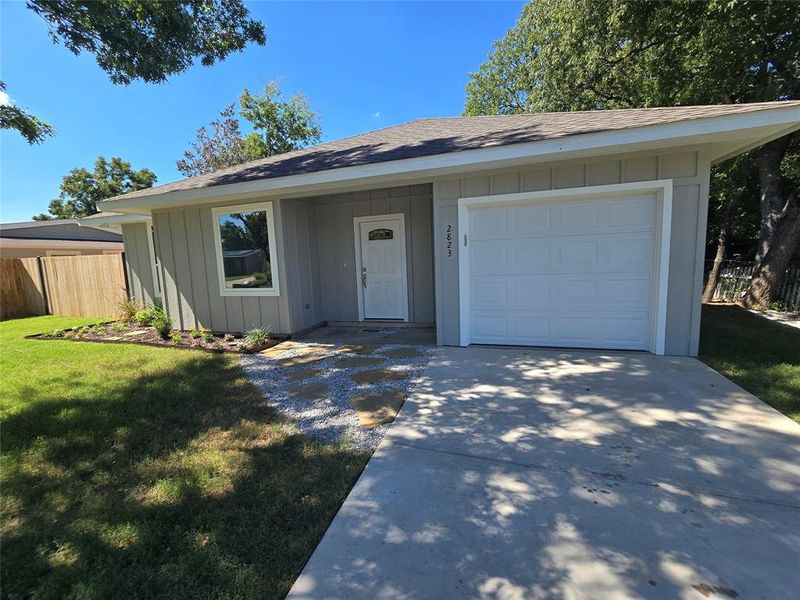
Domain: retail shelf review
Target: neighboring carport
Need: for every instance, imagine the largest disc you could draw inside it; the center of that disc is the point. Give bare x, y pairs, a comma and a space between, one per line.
514, 473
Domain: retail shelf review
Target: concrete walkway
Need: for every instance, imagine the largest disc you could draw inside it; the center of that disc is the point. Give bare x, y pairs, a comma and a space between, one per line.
544, 474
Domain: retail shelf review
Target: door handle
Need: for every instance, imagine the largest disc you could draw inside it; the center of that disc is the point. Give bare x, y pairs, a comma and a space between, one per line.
364, 276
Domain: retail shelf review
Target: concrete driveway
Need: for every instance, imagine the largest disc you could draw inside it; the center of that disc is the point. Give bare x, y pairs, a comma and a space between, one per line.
546, 474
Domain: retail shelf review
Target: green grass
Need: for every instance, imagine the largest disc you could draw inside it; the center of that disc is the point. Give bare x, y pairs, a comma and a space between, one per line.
761, 356
139, 472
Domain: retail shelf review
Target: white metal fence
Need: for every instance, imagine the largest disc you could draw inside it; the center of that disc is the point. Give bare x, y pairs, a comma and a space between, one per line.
735, 276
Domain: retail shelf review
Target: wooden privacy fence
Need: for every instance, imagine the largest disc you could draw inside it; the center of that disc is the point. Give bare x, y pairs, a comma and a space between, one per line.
735, 276
73, 286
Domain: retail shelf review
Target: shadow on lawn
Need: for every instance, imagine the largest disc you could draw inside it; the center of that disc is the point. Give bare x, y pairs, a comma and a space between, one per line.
182, 483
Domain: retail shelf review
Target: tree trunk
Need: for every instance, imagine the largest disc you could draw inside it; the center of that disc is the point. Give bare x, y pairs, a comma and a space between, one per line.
779, 228
767, 278
722, 249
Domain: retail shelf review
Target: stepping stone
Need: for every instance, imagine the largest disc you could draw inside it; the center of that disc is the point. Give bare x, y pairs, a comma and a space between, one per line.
358, 348
378, 408
312, 392
358, 361
377, 376
402, 353
303, 359
137, 332
303, 374
297, 348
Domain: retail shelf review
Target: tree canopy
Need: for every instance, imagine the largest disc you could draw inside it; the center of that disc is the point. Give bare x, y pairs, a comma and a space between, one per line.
81, 189
33, 129
146, 40
278, 125
594, 54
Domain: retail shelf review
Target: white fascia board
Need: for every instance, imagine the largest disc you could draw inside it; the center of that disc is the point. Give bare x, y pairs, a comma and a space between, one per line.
56, 244
101, 220
694, 131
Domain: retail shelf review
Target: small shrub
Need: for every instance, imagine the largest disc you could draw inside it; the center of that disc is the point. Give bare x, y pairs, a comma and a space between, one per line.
176, 337
162, 324
146, 315
119, 326
257, 337
57, 333
128, 309
207, 336
194, 334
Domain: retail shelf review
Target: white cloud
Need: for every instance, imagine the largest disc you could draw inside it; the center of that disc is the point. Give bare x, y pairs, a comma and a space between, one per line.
377, 114
5, 99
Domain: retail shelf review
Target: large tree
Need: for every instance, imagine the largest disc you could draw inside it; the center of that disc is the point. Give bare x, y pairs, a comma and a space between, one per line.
146, 40
82, 189
278, 125
592, 54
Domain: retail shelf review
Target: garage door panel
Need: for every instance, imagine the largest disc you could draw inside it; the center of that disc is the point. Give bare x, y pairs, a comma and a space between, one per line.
527, 220
633, 253
488, 257
577, 216
491, 226
631, 214
628, 330
566, 274
527, 257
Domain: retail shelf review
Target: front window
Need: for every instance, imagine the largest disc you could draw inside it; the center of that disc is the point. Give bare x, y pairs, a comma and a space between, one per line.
245, 249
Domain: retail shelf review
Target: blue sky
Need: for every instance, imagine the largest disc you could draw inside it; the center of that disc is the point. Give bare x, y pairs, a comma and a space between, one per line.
363, 65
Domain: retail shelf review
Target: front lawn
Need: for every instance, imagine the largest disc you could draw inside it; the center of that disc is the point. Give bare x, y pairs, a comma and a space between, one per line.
761, 356
138, 472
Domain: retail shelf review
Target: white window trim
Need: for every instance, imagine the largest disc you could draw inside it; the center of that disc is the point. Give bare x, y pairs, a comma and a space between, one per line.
155, 264
662, 189
357, 231
273, 257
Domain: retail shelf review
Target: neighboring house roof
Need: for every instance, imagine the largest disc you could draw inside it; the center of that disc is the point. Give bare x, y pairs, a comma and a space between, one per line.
450, 135
240, 253
59, 229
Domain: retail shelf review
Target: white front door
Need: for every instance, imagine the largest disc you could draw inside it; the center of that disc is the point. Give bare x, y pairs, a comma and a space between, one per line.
382, 267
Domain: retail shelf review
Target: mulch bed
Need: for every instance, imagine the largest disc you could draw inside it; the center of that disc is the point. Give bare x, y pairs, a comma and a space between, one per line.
120, 332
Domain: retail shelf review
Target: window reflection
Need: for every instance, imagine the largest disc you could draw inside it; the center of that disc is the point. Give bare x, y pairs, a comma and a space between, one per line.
245, 250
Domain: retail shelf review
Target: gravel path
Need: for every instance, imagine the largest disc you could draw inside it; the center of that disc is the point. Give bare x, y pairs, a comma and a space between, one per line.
331, 418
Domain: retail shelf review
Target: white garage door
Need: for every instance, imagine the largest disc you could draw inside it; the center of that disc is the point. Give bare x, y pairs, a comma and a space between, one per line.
569, 273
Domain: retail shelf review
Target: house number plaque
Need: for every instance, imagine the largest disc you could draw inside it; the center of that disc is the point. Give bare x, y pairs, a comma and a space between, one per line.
449, 240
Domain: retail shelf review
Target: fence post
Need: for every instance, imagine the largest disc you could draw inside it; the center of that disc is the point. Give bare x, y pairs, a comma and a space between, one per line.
125, 274
43, 282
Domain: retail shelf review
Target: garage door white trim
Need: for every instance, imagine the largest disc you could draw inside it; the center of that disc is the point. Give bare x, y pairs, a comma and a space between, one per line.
662, 192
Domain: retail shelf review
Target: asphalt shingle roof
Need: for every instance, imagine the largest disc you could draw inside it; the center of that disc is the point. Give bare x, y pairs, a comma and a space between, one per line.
428, 137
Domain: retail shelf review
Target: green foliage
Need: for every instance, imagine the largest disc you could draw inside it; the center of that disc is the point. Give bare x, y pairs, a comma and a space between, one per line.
176, 338
590, 54
128, 309
279, 126
81, 189
162, 323
257, 336
150, 40
194, 334
146, 315
57, 333
207, 335
33, 129
119, 327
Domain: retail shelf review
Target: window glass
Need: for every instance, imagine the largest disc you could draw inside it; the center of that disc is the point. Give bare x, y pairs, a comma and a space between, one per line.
380, 234
245, 250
